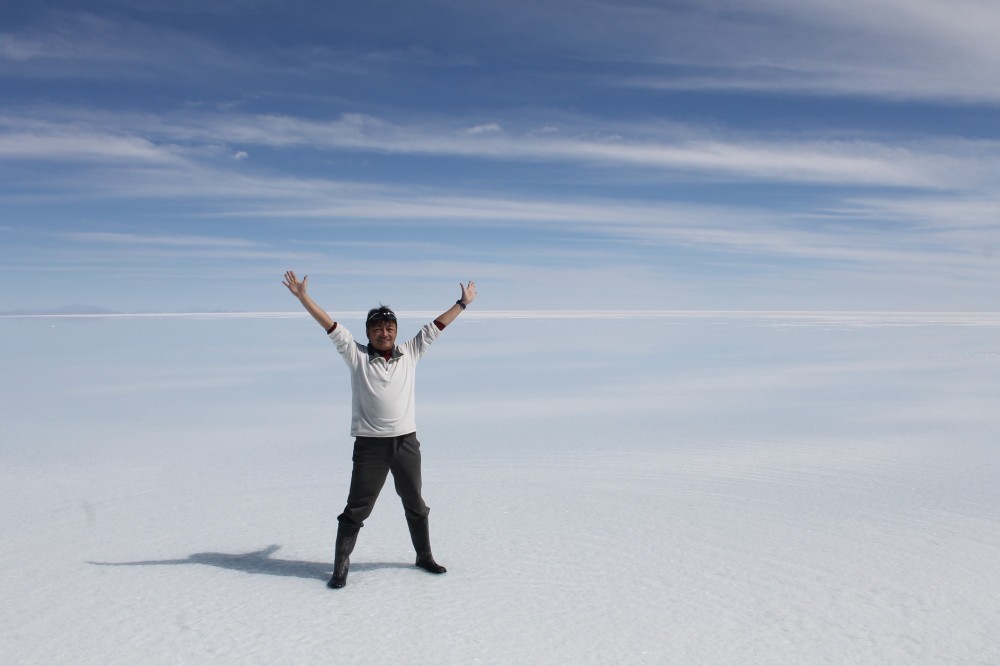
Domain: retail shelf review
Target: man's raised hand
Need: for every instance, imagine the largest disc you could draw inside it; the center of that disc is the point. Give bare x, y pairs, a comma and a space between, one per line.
468, 292
297, 288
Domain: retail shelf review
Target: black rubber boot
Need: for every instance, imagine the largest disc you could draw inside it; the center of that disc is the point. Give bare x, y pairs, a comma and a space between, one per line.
420, 535
346, 538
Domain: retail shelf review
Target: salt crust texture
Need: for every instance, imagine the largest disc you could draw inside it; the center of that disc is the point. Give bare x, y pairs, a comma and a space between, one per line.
633, 491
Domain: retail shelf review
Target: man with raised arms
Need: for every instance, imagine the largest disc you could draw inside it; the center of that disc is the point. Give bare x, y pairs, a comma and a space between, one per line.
382, 420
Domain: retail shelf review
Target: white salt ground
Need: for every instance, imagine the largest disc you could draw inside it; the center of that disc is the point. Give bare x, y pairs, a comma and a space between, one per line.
802, 502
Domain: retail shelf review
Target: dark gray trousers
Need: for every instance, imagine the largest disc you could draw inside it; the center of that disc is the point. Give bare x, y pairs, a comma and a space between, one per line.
374, 458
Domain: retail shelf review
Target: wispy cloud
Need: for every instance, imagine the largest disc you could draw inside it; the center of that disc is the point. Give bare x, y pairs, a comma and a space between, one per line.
149, 254
892, 231
72, 144
489, 128
896, 49
91, 46
937, 164
20, 49
691, 151
853, 230
155, 240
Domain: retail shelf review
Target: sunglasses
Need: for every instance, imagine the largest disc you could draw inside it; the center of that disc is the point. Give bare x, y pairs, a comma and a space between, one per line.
376, 315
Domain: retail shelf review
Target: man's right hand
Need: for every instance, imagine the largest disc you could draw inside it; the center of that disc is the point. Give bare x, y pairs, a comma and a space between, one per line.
297, 288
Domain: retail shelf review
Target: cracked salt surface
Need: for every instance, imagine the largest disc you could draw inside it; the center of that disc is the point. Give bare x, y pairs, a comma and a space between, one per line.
667, 509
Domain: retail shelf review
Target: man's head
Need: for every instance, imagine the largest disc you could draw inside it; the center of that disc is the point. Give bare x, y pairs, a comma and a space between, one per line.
381, 328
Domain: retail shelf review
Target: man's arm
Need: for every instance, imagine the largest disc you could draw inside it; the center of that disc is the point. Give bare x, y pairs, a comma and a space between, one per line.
298, 290
468, 295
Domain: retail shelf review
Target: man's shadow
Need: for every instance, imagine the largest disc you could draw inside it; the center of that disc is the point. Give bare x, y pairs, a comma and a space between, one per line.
260, 562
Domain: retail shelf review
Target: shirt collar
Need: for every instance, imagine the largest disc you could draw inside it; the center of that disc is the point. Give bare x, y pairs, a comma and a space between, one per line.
395, 353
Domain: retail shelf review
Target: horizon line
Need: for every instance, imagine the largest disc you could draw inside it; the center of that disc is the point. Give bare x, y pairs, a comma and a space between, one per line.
883, 316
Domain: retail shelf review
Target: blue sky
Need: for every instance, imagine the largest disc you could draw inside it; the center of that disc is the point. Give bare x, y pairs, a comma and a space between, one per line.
778, 154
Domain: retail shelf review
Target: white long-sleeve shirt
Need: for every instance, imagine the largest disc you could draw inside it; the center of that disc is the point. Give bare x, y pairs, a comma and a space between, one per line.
382, 392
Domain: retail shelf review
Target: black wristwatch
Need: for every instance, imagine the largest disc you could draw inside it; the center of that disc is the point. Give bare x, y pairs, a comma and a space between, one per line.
461, 304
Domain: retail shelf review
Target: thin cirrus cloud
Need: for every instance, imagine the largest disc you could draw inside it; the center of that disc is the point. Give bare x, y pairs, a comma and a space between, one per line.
74, 43
894, 49
157, 240
71, 145
898, 49
181, 160
941, 163
197, 173
95, 247
735, 228
862, 161
738, 232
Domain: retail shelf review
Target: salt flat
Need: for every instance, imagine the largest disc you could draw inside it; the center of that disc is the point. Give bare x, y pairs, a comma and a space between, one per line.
719, 490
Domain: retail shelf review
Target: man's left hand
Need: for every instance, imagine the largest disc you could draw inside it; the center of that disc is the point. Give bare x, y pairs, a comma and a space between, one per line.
468, 292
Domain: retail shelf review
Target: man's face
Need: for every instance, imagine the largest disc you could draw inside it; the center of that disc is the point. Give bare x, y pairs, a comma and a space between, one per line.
382, 335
